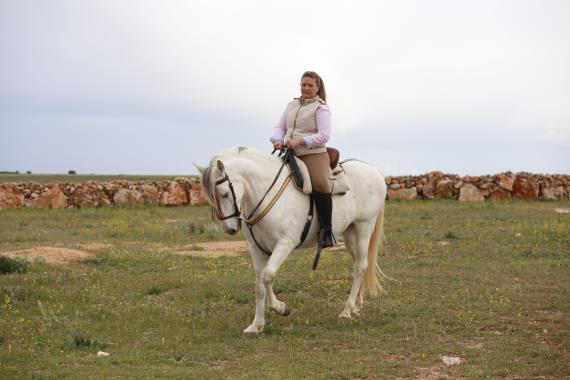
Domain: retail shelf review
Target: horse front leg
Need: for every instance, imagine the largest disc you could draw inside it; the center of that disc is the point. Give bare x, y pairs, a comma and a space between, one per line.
274, 304
259, 262
265, 271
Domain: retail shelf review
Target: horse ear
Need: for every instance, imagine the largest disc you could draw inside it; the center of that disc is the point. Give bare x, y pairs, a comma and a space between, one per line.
201, 169
220, 165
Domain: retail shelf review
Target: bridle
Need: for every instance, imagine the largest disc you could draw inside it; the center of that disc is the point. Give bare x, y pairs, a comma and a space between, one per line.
218, 209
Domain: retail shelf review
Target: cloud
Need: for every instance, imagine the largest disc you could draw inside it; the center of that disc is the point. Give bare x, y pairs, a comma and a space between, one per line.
415, 79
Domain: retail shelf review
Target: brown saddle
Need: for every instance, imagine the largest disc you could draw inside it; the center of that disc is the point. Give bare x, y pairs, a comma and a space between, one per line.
334, 156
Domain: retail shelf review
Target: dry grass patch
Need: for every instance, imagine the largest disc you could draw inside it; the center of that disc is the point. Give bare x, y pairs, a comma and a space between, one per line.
215, 249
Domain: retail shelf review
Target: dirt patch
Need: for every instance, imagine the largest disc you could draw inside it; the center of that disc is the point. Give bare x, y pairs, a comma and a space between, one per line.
472, 344
431, 373
225, 248
95, 246
553, 315
216, 249
397, 357
52, 255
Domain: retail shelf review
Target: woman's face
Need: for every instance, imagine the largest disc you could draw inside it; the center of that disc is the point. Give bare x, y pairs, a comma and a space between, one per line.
309, 88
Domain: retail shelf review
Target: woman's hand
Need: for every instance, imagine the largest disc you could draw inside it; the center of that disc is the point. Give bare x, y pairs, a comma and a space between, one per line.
294, 143
277, 145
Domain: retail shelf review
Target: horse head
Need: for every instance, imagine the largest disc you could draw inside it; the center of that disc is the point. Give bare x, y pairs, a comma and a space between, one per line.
223, 194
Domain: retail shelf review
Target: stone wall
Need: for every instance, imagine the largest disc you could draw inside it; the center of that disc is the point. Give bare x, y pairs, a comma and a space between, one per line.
180, 192
184, 191
478, 188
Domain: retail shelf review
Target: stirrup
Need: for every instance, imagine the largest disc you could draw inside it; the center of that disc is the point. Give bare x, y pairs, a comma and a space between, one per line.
323, 235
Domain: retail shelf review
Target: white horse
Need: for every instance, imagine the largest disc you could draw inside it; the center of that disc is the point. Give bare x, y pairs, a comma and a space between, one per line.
235, 182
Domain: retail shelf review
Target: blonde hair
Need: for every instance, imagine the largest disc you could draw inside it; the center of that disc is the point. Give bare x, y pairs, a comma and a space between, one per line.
320, 83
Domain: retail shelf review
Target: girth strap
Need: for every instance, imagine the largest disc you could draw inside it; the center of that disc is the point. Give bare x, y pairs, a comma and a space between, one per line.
310, 217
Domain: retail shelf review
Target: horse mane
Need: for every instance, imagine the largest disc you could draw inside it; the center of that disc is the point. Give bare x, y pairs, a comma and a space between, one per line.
208, 184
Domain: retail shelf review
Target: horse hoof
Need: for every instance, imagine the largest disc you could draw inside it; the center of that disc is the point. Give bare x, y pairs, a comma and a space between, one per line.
250, 334
284, 312
344, 316
354, 313
253, 331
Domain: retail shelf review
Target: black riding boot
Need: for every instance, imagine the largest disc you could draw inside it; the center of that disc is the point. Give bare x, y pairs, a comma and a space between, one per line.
323, 201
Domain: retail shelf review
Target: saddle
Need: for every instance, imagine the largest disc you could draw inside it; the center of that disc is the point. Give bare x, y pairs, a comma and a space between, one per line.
339, 181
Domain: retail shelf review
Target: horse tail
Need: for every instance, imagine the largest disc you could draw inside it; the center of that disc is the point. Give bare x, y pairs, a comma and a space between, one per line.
373, 277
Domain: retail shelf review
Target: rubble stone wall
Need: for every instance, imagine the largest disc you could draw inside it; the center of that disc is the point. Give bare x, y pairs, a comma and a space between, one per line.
180, 192
479, 188
184, 191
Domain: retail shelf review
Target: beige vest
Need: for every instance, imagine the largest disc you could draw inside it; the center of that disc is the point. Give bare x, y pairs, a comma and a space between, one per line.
302, 122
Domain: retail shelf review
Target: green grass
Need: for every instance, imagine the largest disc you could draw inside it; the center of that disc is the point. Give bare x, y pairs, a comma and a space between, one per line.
497, 294
75, 178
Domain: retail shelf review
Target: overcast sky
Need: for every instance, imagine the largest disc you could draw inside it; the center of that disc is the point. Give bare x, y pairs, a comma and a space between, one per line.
466, 87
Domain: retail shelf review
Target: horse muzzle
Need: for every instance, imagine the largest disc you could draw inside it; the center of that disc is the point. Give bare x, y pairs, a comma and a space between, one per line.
232, 227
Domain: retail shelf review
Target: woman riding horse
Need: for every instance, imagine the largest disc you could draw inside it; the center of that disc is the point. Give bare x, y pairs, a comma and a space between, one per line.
305, 127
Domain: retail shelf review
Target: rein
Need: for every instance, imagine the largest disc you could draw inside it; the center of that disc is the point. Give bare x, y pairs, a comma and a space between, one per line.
247, 219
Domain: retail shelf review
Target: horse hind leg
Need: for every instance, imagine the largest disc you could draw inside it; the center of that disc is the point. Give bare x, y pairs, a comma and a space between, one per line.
358, 249
360, 297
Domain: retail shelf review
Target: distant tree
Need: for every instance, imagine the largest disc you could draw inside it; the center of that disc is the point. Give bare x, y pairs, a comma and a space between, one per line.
29, 172
71, 172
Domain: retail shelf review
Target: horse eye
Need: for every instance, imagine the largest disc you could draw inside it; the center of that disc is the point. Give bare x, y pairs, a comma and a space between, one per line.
226, 195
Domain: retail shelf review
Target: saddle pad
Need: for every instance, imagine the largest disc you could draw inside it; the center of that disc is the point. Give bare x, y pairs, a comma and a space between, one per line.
339, 182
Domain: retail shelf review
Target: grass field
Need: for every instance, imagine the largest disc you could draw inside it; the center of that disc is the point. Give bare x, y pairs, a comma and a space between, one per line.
75, 178
486, 282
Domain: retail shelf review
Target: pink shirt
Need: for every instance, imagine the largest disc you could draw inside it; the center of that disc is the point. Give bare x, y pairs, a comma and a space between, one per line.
323, 115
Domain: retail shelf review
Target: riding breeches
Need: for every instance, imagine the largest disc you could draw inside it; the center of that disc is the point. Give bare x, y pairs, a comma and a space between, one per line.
318, 165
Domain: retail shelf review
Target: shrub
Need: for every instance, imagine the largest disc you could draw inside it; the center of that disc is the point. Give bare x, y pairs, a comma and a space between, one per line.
15, 265
71, 172
154, 290
82, 340
450, 235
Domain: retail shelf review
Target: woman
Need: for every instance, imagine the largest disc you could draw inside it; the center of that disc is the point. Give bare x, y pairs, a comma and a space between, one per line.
305, 127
